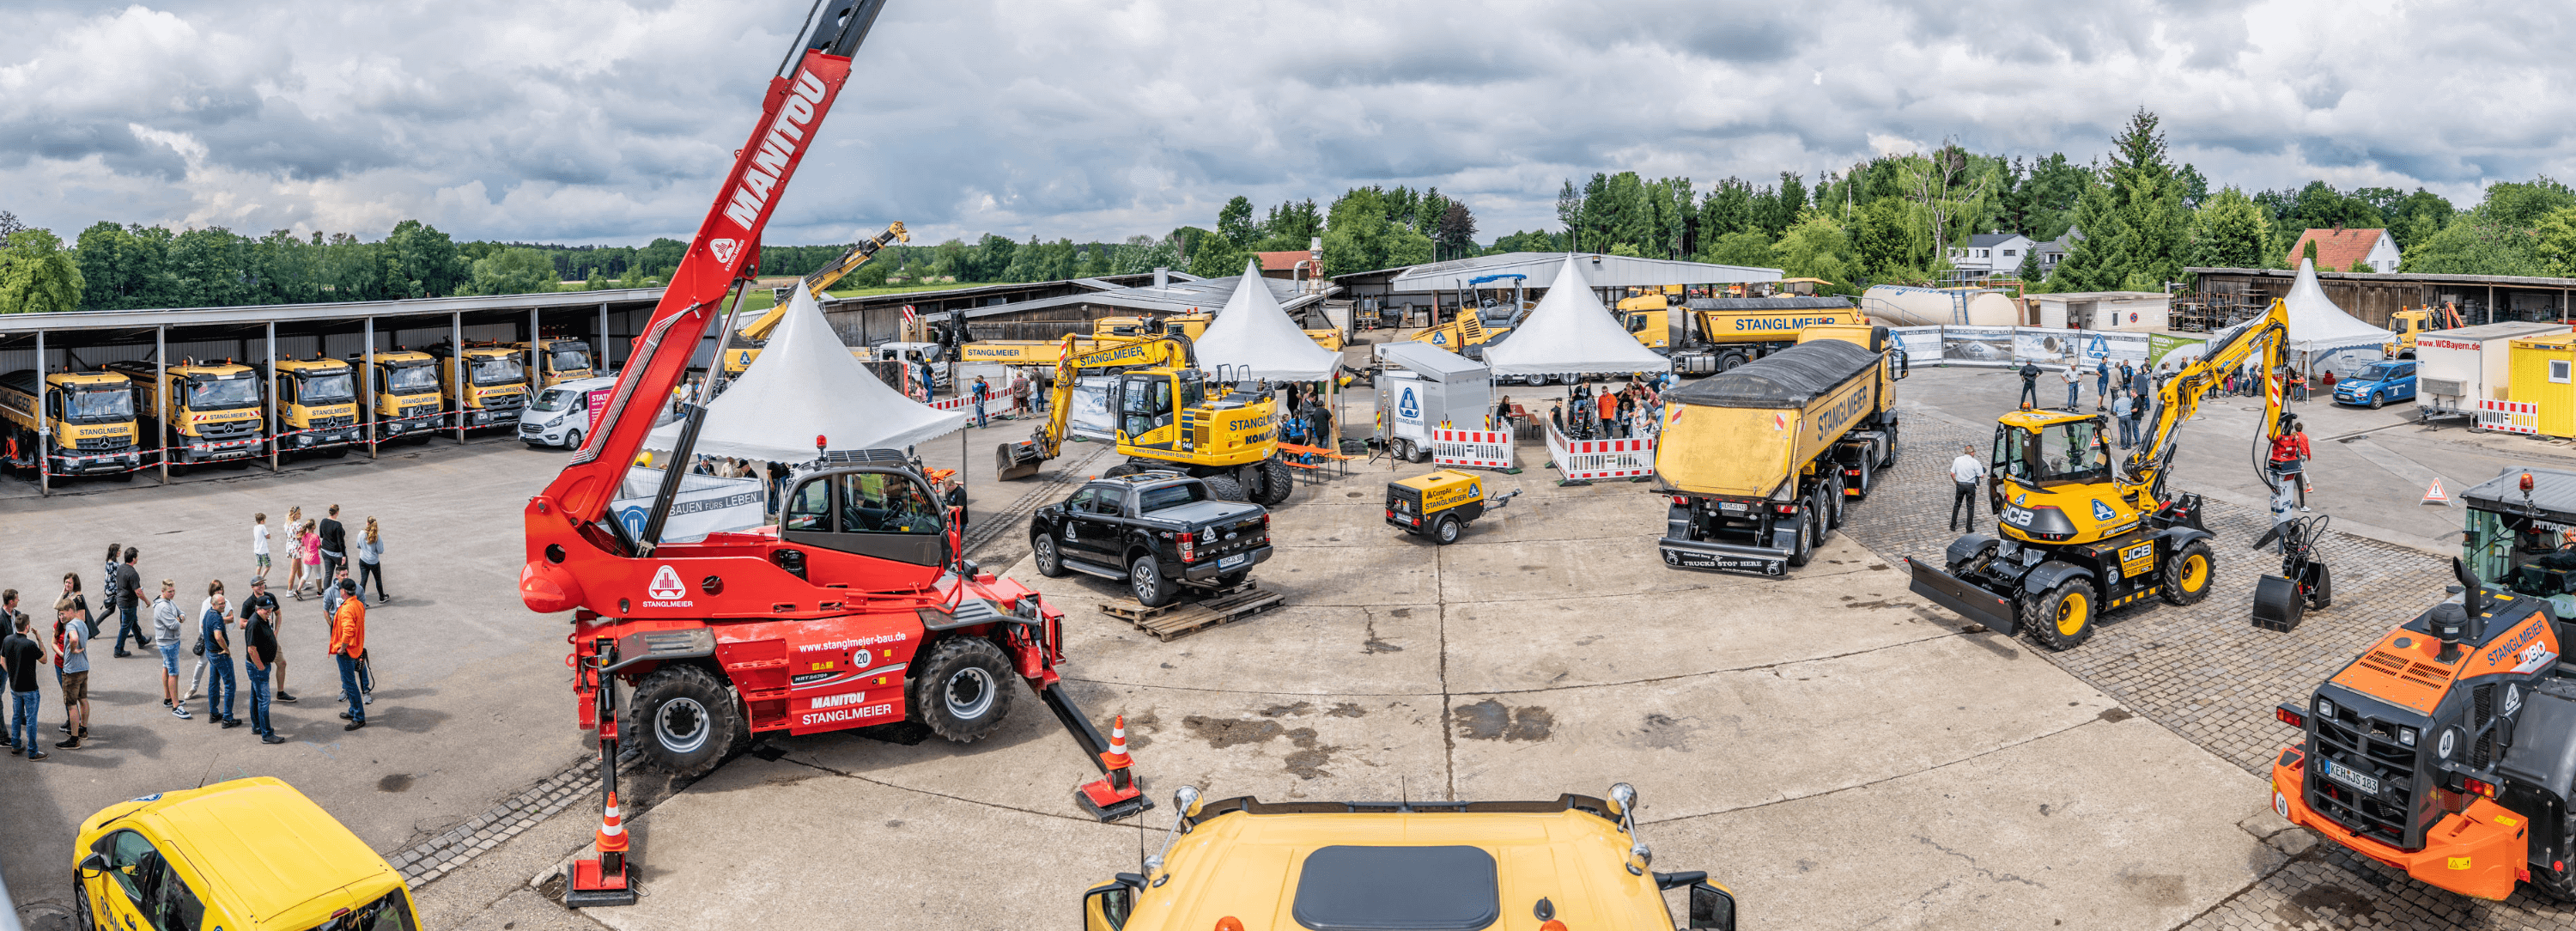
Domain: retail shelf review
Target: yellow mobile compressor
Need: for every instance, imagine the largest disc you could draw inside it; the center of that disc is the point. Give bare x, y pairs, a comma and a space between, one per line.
88, 416
202, 412
1439, 504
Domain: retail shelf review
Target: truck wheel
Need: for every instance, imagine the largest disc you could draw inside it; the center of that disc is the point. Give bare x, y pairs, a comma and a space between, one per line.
1868, 475
1042, 550
960, 690
1805, 547
684, 720
1729, 361
1446, 529
2062, 617
1225, 488
1891, 447
2557, 884
1833, 495
2187, 573
1277, 482
1146, 579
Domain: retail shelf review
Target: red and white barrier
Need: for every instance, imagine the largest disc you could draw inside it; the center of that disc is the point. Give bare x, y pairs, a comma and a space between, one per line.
2509, 416
1590, 459
1483, 449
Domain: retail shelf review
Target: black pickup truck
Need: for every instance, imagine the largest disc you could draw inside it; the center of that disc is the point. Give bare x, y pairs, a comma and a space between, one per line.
1157, 531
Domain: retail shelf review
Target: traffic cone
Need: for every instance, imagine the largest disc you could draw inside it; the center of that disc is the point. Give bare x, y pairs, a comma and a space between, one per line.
606, 879
1115, 795
2434, 494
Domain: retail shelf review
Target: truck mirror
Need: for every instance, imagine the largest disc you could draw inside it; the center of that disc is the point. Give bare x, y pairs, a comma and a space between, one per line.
1711, 907
1106, 906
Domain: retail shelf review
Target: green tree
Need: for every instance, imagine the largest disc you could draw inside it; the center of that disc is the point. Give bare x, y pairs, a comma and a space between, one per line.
38, 275
1569, 213
515, 271
2523, 204
1215, 257
1455, 235
1235, 222
2477, 245
2308, 251
1406, 246
1727, 210
2555, 242
1355, 233
429, 263
2134, 225
1816, 247
2417, 217
1883, 240
2230, 231
1746, 247
2049, 196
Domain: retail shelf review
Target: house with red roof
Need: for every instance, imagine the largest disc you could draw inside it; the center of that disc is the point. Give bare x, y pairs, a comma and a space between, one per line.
2338, 248
1283, 265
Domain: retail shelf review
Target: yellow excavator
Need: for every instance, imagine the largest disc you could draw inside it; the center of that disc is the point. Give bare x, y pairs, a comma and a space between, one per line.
2083, 533
744, 344
1166, 416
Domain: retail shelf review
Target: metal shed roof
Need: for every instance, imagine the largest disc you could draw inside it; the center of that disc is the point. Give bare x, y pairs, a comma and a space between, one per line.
348, 310
1440, 364
1606, 271
1206, 294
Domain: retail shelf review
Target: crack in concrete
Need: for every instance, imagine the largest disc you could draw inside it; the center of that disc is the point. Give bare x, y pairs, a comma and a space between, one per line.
1972, 864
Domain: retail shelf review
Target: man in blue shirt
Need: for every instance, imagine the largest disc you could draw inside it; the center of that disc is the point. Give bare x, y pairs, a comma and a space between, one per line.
220, 686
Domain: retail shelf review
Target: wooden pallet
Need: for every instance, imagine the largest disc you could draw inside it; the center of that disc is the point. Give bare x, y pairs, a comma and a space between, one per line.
1175, 620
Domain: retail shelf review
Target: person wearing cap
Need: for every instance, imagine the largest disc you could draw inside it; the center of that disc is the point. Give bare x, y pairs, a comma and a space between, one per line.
348, 645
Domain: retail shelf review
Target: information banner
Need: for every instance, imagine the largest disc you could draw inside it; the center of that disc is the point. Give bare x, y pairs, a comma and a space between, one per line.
706, 504
1977, 345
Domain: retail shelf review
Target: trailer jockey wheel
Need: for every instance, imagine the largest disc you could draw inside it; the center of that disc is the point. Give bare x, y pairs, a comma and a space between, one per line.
959, 691
2187, 574
2062, 617
684, 721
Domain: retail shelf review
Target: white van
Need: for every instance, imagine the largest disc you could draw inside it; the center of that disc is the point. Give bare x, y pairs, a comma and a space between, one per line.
561, 414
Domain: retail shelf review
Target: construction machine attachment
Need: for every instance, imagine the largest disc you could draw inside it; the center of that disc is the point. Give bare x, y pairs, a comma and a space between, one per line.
1118, 793
2305, 584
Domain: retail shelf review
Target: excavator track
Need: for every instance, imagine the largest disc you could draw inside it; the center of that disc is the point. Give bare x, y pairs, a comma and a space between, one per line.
988, 528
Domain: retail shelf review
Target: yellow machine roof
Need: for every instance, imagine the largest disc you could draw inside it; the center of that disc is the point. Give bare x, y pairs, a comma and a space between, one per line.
301, 365
1249, 866
403, 355
2040, 417
273, 848
1431, 480
88, 378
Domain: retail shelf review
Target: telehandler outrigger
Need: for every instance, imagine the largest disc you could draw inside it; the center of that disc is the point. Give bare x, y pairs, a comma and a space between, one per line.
2081, 535
1166, 418
859, 609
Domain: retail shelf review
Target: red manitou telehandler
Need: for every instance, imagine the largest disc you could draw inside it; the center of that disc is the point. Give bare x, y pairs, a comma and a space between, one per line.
858, 609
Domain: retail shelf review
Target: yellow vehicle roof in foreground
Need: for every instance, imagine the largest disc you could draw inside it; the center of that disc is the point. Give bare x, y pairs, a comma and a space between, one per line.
2040, 417
88, 378
270, 847
1247, 866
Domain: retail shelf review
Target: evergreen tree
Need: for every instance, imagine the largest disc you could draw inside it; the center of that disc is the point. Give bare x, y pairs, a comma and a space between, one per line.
1569, 213
1456, 234
2230, 231
2133, 222
1728, 209
1235, 222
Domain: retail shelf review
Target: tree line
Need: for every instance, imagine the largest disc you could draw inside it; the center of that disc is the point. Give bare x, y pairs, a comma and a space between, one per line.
2135, 220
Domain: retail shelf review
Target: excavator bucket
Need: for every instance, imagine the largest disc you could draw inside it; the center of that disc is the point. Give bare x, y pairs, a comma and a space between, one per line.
1016, 460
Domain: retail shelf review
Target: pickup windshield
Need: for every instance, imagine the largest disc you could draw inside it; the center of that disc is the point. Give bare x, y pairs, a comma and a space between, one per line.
215, 394
411, 379
98, 405
502, 370
1170, 496
334, 388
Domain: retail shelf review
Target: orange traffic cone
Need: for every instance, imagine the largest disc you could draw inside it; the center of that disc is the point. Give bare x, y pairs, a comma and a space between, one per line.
612, 832
1115, 795
606, 879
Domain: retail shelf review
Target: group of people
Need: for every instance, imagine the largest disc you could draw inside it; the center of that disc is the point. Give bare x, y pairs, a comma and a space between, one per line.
320, 556
1631, 412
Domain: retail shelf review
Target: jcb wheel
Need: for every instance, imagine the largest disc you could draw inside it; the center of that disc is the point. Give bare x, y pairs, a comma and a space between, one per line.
1225, 488
1446, 530
1146, 578
2062, 617
1050, 561
1804, 548
2187, 573
1276, 482
685, 720
962, 690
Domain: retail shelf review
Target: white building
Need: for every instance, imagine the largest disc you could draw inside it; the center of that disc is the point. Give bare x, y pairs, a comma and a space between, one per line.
1990, 255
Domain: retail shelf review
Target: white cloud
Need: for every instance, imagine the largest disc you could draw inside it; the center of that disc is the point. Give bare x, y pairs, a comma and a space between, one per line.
613, 120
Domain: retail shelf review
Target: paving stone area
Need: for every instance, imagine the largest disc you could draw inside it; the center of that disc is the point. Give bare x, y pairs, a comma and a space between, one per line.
438, 856
2207, 673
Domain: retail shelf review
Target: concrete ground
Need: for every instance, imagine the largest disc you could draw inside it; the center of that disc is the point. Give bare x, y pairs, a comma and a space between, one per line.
1841, 754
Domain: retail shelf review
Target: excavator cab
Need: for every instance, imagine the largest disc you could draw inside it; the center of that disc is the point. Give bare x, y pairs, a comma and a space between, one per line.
2040, 451
1148, 404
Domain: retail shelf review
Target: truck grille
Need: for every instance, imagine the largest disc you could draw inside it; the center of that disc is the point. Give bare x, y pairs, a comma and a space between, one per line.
507, 402
333, 423
101, 443
419, 410
2369, 748
228, 430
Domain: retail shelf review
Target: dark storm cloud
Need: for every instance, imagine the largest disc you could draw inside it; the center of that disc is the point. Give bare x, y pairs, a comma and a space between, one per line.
612, 120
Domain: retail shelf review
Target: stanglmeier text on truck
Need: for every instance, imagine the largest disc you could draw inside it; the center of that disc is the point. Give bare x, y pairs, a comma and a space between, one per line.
200, 412
86, 425
317, 405
1758, 461
405, 386
485, 384
1708, 335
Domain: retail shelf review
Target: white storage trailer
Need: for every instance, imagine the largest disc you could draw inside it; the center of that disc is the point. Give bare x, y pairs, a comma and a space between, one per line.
2457, 368
1419, 386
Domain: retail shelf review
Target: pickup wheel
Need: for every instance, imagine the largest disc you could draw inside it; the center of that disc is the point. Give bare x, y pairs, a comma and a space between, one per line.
1146, 579
2062, 617
960, 691
1225, 488
1446, 529
1042, 550
2187, 573
684, 720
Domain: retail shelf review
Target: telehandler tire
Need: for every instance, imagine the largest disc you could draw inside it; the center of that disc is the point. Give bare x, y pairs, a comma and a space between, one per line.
962, 691
684, 721
2187, 574
1225, 488
2062, 617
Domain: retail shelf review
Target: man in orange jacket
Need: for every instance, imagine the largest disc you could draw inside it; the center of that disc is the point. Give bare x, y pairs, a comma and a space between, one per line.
348, 646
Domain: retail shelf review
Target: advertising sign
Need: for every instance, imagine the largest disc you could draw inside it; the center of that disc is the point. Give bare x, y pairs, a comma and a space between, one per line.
1977, 345
706, 504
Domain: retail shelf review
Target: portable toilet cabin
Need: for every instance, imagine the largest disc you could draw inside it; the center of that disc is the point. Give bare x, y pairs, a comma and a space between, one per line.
2543, 396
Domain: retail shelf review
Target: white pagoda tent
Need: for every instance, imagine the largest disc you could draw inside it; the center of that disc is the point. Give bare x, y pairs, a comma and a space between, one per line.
1570, 331
1252, 338
2322, 334
805, 385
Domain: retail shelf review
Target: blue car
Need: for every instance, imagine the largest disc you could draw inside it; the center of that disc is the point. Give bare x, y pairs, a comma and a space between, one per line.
2382, 382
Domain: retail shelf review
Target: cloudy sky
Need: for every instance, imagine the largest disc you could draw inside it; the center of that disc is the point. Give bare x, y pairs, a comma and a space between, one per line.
613, 121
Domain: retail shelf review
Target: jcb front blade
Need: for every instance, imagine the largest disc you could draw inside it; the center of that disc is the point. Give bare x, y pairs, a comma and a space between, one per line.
1971, 601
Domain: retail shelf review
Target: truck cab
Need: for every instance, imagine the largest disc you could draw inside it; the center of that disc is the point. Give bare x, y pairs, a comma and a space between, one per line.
406, 389
561, 360
317, 405
88, 422
2378, 383
1190, 325
494, 383
1574, 861
2404, 326
201, 411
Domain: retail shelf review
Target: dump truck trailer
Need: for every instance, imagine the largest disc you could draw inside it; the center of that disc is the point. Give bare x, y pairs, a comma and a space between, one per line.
1704, 336
1759, 460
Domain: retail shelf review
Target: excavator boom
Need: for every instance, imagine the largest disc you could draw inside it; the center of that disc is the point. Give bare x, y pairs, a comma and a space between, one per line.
2178, 396
816, 281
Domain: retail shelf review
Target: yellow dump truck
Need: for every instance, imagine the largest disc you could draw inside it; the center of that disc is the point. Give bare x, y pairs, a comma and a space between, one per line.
88, 423
560, 360
201, 412
405, 385
1704, 336
495, 386
1571, 862
1758, 462
317, 405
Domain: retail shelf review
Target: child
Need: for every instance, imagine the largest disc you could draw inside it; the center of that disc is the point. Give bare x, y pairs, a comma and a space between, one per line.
308, 539
259, 544
294, 553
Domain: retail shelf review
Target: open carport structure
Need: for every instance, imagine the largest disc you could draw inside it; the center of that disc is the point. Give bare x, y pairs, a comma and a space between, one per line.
85, 341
